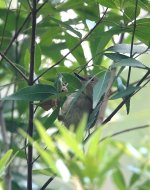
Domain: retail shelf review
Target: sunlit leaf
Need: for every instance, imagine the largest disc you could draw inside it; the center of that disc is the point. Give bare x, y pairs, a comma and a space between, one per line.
45, 137
70, 139
46, 156
4, 160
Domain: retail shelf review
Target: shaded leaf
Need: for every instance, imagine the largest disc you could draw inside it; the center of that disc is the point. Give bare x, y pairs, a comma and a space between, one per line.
134, 178
50, 120
106, 3
122, 60
66, 26
119, 180
33, 93
73, 82
37, 58
124, 93
126, 48
78, 53
100, 88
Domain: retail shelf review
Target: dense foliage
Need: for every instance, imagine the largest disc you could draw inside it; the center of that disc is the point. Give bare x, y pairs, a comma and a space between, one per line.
42, 44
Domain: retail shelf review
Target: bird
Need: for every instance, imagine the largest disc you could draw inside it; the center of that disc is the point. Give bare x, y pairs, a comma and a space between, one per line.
78, 103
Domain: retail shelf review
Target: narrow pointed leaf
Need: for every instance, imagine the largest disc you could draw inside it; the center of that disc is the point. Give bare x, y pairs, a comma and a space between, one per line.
124, 93
122, 60
66, 26
119, 180
33, 93
100, 88
126, 48
4, 160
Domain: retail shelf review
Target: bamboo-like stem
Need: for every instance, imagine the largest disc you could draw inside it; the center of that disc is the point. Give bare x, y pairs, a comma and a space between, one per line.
31, 106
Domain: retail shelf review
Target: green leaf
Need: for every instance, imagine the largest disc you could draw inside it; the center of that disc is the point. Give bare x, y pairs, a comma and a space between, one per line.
50, 120
37, 58
142, 30
4, 160
73, 82
126, 48
33, 93
109, 4
93, 143
78, 52
65, 26
70, 139
122, 60
124, 93
145, 185
46, 156
46, 172
93, 116
119, 180
134, 178
129, 13
116, 56
80, 132
27, 58
100, 88
45, 137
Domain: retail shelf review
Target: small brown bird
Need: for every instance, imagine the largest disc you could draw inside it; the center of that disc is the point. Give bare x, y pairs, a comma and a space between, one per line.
78, 103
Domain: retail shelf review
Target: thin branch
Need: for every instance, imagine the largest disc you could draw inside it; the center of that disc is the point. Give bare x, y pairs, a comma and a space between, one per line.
16, 35
124, 131
40, 7
14, 66
29, 4
132, 41
78, 44
31, 106
47, 183
38, 157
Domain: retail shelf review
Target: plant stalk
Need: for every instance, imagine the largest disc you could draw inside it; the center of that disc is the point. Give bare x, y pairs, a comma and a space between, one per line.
31, 106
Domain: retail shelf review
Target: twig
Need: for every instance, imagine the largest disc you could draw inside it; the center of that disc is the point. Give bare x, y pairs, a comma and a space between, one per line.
14, 66
131, 50
16, 35
132, 40
40, 7
79, 43
29, 5
47, 182
37, 157
124, 131
31, 106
